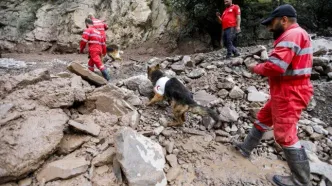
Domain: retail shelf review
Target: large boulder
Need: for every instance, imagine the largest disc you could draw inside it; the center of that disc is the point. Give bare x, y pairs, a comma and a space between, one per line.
142, 160
27, 141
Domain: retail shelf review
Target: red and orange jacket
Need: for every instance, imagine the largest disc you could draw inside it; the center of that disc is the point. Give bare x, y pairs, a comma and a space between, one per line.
94, 39
291, 58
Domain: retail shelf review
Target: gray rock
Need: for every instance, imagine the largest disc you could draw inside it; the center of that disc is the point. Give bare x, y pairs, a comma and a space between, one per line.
308, 129
186, 60
142, 160
226, 83
222, 139
172, 160
329, 75
323, 97
4, 108
199, 58
236, 93
178, 67
105, 157
131, 119
86, 74
145, 88
223, 93
62, 169
321, 168
158, 130
309, 145
196, 73
173, 173
320, 61
204, 98
87, 127
258, 97
70, 142
35, 136
237, 61
319, 129
228, 115
169, 146
222, 133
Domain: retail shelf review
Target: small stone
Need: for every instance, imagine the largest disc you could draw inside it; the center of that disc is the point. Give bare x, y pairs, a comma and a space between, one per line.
258, 97
25, 182
70, 142
102, 169
316, 136
222, 139
173, 173
228, 115
158, 130
236, 93
319, 122
167, 133
309, 145
234, 128
196, 73
308, 129
88, 127
104, 158
172, 160
169, 147
223, 93
193, 131
222, 133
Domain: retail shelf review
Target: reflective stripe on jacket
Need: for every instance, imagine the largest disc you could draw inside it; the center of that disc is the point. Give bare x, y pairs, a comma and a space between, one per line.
291, 58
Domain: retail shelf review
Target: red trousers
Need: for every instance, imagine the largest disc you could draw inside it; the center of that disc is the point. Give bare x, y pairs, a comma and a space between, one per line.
283, 110
95, 59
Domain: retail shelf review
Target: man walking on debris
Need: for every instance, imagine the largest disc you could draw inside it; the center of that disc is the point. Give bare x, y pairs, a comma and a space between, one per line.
289, 69
97, 48
230, 20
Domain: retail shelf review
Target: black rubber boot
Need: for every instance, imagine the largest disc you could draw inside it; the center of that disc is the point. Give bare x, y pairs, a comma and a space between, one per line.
299, 165
250, 142
105, 74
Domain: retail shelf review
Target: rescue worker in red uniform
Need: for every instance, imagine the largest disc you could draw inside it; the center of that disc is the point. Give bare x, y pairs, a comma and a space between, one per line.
97, 48
288, 69
100, 25
230, 20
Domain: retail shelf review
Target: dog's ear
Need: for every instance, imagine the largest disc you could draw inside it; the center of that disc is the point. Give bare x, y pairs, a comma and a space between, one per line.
157, 66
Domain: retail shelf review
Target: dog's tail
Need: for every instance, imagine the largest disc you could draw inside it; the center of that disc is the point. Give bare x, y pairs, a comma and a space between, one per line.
204, 111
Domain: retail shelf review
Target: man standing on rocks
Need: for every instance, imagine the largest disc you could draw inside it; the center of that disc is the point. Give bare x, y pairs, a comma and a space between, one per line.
97, 48
230, 20
289, 69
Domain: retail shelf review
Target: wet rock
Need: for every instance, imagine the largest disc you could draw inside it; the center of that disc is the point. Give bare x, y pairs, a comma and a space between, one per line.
87, 127
70, 142
86, 74
142, 160
62, 169
236, 93
228, 115
9, 63
172, 160
34, 138
104, 158
196, 73
204, 98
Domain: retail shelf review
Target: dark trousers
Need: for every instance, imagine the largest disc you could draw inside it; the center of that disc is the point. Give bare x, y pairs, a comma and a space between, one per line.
229, 36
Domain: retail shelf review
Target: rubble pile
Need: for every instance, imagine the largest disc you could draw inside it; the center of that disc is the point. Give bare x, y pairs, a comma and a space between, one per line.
58, 129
